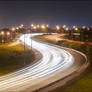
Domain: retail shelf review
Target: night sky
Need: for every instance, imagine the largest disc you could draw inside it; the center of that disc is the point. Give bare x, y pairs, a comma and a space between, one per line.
53, 12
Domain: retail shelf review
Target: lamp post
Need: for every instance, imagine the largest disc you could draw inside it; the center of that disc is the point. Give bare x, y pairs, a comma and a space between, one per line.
57, 28
24, 49
32, 27
47, 26
43, 28
2, 33
8, 34
13, 29
31, 38
13, 33
84, 27
76, 29
64, 26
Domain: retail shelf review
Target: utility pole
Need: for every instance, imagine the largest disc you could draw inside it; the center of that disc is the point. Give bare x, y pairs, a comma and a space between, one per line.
24, 49
31, 40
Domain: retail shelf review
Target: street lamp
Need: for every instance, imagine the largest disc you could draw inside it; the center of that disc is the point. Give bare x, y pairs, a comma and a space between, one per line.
2, 33
13, 29
43, 26
76, 28
22, 25
38, 26
24, 48
31, 40
64, 26
8, 34
34, 27
17, 28
47, 25
67, 29
84, 27
88, 28
13, 33
57, 28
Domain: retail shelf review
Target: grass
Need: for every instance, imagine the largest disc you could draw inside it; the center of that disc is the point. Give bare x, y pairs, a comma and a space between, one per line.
42, 38
12, 58
82, 83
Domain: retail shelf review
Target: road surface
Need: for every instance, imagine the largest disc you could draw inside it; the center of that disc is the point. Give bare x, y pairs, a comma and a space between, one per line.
55, 64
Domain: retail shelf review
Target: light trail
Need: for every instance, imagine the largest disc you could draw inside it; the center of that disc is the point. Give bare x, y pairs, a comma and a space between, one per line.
54, 61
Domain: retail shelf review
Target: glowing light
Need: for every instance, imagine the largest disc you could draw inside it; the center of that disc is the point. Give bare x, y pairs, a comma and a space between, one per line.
67, 29
13, 29
2, 33
57, 27
84, 27
88, 28
76, 28
49, 65
8, 33
43, 26
32, 25
47, 25
38, 26
17, 28
21, 26
64, 26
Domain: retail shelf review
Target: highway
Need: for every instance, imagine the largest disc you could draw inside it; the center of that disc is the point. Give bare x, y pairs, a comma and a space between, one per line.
54, 64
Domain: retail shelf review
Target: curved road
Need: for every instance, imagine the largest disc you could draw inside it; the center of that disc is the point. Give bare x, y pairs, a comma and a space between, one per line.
56, 63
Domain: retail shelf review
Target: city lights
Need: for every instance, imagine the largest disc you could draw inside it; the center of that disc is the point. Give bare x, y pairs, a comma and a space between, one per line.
64, 26
17, 28
21, 26
88, 28
43, 26
45, 46
2, 33
58, 27
38, 26
76, 28
47, 25
84, 27
67, 29
32, 25
13, 29
8, 33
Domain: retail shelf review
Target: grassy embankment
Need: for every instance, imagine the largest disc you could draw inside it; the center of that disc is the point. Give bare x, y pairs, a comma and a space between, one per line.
12, 58
82, 83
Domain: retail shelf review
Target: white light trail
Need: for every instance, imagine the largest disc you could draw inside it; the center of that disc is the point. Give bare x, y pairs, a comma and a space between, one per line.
54, 61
